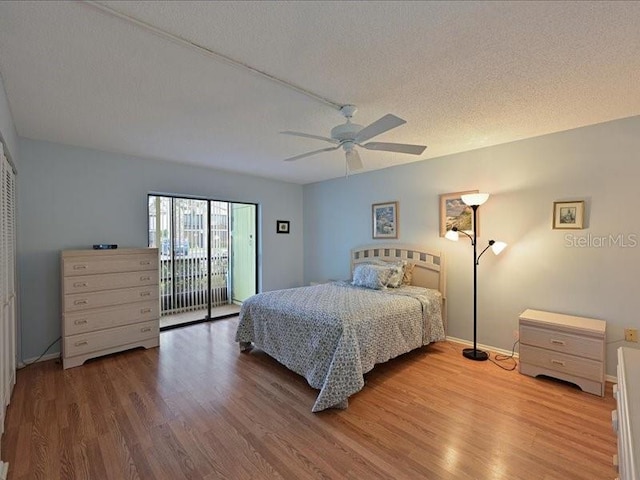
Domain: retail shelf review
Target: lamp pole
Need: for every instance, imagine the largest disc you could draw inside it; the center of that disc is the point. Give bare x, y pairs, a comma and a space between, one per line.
474, 200
474, 353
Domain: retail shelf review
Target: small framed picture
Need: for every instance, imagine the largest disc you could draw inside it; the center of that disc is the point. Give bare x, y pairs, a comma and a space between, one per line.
385, 220
568, 215
455, 213
282, 226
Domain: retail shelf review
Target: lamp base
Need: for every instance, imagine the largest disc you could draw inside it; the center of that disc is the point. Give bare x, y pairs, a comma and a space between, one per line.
475, 354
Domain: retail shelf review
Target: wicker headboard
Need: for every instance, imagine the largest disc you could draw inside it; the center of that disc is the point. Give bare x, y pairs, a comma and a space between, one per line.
429, 271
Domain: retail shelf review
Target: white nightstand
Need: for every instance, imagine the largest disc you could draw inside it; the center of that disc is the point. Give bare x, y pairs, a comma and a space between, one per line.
565, 347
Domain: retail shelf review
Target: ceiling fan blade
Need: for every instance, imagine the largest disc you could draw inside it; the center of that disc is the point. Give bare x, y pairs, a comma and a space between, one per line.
308, 154
395, 147
381, 125
308, 135
353, 160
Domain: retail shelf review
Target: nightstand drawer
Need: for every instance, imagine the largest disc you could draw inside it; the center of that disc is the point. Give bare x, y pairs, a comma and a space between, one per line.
561, 362
562, 342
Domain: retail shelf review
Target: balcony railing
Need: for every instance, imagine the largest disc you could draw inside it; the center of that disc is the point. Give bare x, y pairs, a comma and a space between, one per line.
184, 280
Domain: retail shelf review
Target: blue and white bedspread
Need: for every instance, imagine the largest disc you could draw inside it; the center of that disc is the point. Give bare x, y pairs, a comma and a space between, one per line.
332, 334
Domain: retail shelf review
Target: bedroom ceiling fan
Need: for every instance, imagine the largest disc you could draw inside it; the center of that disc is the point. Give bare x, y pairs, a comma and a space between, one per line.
349, 135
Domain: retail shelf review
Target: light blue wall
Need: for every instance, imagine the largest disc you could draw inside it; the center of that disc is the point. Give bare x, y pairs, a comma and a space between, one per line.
540, 269
71, 197
74, 197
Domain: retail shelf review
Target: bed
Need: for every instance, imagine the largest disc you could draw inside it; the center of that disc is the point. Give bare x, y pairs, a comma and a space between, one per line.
334, 333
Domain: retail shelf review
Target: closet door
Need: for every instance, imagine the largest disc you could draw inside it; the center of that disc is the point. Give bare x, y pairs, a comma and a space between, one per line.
7, 285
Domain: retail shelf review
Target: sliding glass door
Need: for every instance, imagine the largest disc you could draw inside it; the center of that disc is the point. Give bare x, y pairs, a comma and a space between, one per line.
219, 240
243, 251
207, 255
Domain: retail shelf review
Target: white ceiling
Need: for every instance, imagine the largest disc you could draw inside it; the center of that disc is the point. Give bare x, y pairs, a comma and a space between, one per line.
464, 75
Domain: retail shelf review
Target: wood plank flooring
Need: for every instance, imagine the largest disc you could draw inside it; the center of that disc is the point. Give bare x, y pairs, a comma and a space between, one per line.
196, 408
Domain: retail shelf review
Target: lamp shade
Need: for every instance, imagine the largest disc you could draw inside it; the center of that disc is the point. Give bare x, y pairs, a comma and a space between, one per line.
472, 199
452, 235
497, 247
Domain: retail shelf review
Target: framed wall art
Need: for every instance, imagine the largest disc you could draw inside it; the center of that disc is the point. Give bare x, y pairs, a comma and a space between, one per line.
455, 213
568, 215
385, 220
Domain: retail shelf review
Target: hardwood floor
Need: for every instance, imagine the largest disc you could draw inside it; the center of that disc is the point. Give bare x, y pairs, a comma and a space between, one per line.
196, 408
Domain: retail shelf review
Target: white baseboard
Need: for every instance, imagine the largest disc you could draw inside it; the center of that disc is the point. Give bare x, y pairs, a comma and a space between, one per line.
4, 470
482, 346
609, 378
44, 358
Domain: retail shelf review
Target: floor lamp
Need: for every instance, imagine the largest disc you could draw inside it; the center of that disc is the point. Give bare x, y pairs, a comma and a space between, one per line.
474, 200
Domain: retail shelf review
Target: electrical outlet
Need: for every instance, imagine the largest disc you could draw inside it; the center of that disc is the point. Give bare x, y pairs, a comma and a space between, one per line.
631, 335
516, 334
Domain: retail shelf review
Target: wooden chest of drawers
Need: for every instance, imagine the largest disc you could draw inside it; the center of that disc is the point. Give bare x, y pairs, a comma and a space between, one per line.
565, 347
109, 302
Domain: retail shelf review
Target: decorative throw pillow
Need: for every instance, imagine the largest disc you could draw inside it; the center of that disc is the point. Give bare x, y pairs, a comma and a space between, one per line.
408, 273
397, 274
371, 276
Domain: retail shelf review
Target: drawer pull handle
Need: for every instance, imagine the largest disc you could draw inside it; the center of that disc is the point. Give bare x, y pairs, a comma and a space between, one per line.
80, 284
558, 342
84, 321
142, 279
79, 344
145, 262
557, 362
615, 391
80, 267
145, 310
145, 294
80, 302
145, 329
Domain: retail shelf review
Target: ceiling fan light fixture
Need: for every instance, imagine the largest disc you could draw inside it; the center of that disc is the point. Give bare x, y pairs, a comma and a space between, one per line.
348, 111
353, 159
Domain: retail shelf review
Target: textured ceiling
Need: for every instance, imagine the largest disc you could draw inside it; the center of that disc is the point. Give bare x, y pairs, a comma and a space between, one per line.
463, 74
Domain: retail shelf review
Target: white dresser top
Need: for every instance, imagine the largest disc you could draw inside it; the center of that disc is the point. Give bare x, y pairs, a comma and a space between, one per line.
567, 321
108, 251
